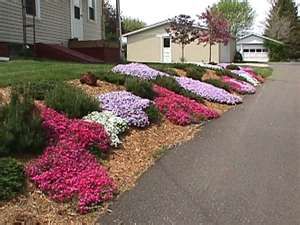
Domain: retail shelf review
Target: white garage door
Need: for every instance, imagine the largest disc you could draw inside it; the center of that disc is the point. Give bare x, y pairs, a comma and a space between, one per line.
255, 54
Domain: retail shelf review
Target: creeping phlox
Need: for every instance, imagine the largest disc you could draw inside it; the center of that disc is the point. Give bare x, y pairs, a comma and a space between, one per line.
67, 170
208, 91
240, 87
250, 79
138, 70
113, 125
179, 109
127, 106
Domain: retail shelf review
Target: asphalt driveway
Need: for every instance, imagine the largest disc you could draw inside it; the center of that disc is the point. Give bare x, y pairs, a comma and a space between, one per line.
244, 168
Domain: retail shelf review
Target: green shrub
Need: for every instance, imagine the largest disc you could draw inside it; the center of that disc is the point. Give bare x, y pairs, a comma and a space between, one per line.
21, 127
71, 101
153, 114
219, 84
171, 84
238, 57
114, 78
139, 87
36, 89
277, 52
164, 67
232, 67
193, 71
12, 178
228, 73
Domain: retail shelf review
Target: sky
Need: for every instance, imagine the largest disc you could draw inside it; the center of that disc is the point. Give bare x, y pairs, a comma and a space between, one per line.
157, 10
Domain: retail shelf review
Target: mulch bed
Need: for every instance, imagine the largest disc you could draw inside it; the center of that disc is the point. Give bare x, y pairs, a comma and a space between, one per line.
125, 165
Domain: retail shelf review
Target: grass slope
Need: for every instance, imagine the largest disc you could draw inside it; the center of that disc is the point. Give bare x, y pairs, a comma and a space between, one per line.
31, 70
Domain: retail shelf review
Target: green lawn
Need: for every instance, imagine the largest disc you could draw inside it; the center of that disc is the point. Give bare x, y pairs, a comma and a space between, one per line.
31, 70
263, 71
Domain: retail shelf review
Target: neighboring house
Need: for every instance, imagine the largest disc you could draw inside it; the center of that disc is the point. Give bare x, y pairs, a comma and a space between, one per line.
252, 47
57, 21
153, 44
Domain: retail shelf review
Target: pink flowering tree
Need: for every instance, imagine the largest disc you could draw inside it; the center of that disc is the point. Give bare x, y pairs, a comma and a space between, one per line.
182, 32
218, 29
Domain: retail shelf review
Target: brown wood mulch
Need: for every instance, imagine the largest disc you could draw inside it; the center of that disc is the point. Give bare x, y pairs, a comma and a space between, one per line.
125, 165
210, 74
4, 95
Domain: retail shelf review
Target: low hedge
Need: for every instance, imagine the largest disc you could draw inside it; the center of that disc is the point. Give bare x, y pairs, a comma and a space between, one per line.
219, 84
21, 126
12, 178
71, 101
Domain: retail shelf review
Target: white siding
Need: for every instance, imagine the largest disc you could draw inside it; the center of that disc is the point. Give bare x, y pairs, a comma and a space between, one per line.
54, 25
92, 29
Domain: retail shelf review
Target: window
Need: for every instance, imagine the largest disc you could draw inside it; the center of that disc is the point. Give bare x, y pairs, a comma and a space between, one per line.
92, 9
252, 50
258, 50
265, 50
246, 50
76, 12
167, 42
32, 7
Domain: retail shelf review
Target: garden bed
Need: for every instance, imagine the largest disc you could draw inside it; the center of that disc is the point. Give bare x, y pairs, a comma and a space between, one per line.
140, 149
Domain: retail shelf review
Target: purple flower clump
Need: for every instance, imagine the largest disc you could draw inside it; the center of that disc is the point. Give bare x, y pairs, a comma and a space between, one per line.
207, 91
127, 106
138, 70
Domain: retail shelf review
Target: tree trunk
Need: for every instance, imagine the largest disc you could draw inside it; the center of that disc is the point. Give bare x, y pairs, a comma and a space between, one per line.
209, 52
182, 54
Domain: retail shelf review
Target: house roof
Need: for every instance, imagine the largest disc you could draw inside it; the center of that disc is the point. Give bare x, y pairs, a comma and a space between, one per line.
164, 22
147, 28
260, 36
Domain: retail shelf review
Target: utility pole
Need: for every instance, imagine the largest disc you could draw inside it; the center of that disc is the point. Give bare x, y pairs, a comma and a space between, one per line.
119, 27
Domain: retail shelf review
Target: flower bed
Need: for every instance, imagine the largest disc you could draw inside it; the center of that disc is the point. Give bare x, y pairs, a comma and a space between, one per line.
250, 79
209, 92
179, 109
250, 71
66, 169
240, 87
113, 125
127, 106
138, 70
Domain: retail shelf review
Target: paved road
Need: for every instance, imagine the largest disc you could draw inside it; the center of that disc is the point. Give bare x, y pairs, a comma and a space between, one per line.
243, 168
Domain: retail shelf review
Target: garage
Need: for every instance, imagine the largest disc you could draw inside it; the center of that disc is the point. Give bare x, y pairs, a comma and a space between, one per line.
252, 48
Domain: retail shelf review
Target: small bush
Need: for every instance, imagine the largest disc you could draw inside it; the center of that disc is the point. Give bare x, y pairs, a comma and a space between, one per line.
114, 78
193, 71
21, 127
36, 89
219, 84
232, 67
229, 74
238, 57
153, 114
163, 67
12, 178
71, 101
142, 88
172, 85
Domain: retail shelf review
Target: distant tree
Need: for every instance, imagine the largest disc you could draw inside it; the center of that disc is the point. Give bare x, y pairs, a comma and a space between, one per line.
182, 32
283, 24
110, 21
131, 24
217, 31
238, 13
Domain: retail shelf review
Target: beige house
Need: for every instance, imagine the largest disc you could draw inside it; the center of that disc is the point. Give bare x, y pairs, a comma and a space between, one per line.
153, 44
57, 21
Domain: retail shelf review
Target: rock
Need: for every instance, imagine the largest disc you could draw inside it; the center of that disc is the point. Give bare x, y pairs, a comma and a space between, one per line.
89, 79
